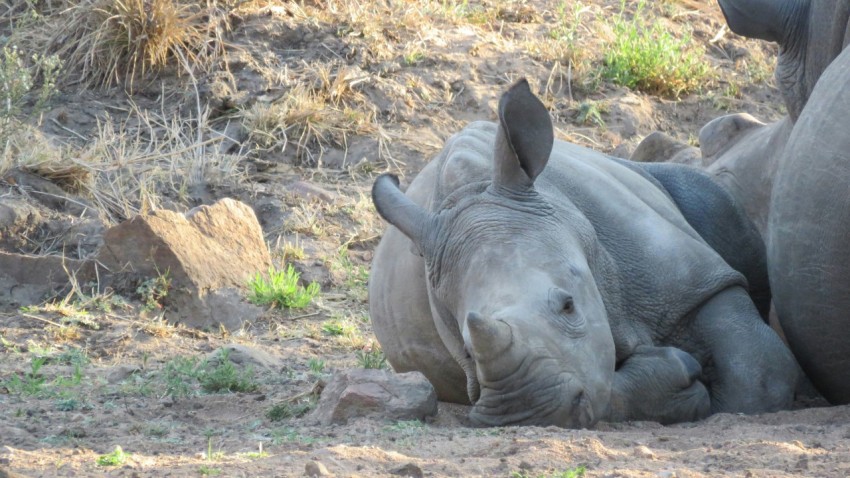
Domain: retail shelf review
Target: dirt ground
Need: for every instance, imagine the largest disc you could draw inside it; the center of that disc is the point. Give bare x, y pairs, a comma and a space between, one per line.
83, 374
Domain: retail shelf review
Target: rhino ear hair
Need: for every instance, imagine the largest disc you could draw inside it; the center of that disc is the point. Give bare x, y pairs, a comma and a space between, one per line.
524, 138
762, 19
410, 218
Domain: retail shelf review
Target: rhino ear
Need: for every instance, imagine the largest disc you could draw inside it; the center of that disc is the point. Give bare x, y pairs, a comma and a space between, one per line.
524, 138
763, 19
414, 221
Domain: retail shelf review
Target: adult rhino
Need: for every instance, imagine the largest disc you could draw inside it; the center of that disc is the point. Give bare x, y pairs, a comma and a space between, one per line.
549, 284
792, 177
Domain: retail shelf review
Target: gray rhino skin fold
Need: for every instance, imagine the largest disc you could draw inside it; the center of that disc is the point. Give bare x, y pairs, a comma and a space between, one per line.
548, 284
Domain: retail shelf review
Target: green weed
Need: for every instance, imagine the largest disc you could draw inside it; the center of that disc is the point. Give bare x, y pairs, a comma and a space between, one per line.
179, 374
30, 383
371, 358
281, 289
225, 378
649, 58
577, 472
317, 365
153, 291
285, 410
116, 458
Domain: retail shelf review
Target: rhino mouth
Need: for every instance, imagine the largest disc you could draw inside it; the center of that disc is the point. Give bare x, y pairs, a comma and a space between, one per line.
556, 400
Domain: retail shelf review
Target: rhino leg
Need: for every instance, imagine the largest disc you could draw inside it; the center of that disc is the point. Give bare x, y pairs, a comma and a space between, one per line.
402, 321
658, 384
721, 221
746, 366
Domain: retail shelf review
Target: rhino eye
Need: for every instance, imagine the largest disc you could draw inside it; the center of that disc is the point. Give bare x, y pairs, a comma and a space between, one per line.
569, 306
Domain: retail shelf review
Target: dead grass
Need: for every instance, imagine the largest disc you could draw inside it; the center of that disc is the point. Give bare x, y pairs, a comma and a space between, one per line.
324, 109
106, 42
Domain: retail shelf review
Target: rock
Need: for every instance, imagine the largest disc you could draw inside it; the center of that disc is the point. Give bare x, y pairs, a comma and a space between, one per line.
408, 470
376, 393
49, 194
311, 192
18, 219
120, 373
4, 473
633, 114
315, 469
209, 254
642, 451
247, 357
28, 280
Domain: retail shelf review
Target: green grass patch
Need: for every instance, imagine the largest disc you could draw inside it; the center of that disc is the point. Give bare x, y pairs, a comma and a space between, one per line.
281, 289
117, 458
650, 58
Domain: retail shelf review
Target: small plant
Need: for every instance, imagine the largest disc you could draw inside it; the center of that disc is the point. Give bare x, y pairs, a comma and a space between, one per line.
206, 470
117, 458
281, 289
225, 378
590, 113
577, 472
371, 357
153, 291
180, 373
317, 365
285, 410
31, 383
649, 58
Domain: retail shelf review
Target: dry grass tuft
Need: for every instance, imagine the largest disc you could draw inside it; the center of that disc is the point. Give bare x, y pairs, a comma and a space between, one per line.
137, 163
105, 42
323, 112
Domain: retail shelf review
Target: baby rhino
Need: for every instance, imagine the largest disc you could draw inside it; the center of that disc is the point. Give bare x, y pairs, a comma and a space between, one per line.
548, 284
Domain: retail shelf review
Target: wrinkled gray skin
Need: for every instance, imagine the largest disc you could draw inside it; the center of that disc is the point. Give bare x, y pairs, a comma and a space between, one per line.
808, 235
739, 150
810, 34
792, 177
549, 284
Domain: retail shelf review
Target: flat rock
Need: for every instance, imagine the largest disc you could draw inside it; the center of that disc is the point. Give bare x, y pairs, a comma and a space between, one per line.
209, 254
28, 279
376, 393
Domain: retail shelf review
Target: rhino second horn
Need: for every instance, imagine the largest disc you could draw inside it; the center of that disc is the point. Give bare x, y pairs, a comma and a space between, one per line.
490, 338
411, 219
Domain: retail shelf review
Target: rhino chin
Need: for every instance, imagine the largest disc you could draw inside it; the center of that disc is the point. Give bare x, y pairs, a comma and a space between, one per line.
517, 408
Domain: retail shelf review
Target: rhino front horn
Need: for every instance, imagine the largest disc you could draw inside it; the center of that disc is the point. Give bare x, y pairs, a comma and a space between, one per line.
490, 338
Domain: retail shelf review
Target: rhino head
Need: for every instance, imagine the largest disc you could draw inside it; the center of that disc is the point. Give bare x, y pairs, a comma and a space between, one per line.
810, 34
510, 282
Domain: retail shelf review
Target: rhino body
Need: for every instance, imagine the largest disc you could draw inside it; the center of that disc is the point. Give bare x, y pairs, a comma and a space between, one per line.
549, 284
792, 177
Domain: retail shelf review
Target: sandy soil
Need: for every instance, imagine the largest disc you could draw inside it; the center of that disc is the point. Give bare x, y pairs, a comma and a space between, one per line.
70, 395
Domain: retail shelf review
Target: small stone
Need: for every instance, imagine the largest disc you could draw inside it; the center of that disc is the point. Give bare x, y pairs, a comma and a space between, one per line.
642, 451
408, 470
120, 373
315, 468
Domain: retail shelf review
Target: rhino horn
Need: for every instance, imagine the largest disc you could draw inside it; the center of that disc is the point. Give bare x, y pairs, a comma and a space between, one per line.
490, 338
767, 20
414, 221
524, 138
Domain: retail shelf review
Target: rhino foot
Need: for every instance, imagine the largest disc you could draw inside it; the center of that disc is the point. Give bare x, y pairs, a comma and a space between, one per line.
659, 384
